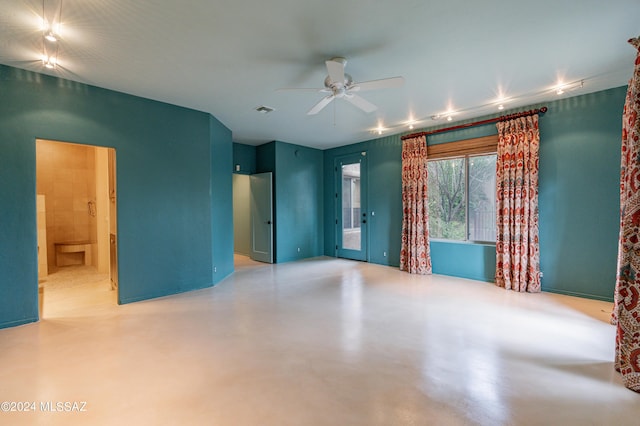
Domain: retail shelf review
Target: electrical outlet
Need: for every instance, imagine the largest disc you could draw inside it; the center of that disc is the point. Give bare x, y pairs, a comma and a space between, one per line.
215, 269
384, 253
298, 249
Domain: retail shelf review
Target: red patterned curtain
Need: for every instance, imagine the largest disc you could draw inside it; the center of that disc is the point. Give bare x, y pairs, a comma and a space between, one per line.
517, 248
414, 253
627, 294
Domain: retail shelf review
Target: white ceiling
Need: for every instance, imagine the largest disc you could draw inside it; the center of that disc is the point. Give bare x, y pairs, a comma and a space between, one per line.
229, 57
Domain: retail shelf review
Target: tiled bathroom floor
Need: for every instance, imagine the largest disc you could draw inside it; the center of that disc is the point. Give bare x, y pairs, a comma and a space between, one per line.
73, 290
320, 342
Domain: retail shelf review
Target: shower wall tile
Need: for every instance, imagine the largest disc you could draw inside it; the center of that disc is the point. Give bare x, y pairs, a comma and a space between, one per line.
81, 204
79, 189
62, 189
61, 204
63, 177
81, 219
66, 176
63, 218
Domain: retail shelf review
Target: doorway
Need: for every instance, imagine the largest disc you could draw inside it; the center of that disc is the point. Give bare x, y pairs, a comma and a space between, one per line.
351, 207
253, 218
76, 226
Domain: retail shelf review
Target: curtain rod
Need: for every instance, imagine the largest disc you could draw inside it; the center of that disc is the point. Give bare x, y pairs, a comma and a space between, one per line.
542, 110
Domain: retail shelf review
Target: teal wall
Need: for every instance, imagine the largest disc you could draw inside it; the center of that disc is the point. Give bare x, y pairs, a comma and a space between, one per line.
173, 185
579, 178
221, 199
298, 194
580, 141
266, 158
245, 157
465, 260
298, 198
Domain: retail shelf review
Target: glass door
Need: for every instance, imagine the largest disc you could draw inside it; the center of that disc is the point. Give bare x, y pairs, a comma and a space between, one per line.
351, 207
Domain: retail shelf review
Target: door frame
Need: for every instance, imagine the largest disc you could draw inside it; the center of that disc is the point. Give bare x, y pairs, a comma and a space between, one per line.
111, 178
363, 253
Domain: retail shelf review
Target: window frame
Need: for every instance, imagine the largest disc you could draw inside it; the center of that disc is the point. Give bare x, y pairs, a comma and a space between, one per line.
487, 145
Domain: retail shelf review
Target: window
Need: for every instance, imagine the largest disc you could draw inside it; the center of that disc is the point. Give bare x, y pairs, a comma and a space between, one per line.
351, 196
462, 198
351, 235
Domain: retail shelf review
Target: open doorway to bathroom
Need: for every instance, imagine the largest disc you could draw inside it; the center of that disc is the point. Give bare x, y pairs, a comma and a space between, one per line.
76, 220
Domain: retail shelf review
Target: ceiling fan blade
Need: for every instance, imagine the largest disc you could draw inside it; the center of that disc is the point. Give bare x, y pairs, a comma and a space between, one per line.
361, 103
320, 105
336, 70
385, 83
303, 89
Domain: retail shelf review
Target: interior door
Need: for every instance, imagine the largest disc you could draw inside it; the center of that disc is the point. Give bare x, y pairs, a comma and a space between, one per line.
261, 217
351, 206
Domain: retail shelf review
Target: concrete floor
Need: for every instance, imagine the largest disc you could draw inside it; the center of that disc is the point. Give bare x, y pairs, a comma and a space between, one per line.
318, 342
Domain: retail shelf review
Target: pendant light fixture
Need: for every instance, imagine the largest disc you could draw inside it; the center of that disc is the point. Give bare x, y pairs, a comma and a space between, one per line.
51, 36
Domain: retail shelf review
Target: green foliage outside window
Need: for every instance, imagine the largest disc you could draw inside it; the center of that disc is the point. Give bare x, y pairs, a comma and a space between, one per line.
450, 205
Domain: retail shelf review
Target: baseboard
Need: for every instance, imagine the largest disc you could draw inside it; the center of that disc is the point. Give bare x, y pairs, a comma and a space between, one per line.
17, 323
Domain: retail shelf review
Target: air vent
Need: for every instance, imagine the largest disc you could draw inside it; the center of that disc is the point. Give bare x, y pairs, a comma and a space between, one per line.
264, 109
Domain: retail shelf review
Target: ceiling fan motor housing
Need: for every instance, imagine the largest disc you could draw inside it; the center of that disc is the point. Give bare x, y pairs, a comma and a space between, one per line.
338, 87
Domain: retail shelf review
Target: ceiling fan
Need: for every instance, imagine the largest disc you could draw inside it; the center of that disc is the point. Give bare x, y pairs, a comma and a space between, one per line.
340, 85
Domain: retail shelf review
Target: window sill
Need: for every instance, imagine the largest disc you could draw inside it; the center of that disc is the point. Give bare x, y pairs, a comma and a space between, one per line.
471, 243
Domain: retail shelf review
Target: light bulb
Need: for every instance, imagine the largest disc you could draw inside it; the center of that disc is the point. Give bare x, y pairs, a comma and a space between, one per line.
49, 62
49, 35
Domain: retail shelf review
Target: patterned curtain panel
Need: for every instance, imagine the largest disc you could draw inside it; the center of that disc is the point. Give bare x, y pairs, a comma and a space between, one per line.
414, 254
517, 248
627, 293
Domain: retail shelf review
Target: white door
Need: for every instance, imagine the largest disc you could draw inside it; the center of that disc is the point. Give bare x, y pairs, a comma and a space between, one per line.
261, 217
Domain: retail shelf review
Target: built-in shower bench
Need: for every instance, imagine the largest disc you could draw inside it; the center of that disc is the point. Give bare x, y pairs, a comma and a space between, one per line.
73, 247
